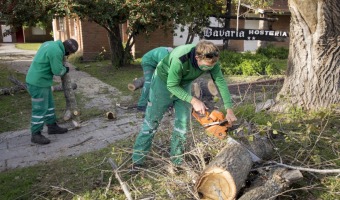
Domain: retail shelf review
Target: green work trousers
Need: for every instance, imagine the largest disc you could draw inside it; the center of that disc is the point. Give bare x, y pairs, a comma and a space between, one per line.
42, 107
148, 72
159, 100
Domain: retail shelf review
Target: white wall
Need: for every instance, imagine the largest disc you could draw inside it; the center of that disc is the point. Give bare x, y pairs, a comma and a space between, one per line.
8, 38
180, 37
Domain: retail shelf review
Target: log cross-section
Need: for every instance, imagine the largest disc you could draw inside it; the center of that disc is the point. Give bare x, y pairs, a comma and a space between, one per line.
226, 173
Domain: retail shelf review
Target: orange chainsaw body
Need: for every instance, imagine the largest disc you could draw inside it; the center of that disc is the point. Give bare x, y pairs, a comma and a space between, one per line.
213, 123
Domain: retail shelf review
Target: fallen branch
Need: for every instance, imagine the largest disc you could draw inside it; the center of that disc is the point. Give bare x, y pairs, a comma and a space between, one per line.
321, 171
122, 184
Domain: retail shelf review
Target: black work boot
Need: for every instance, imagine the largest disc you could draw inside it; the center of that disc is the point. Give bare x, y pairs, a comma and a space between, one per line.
55, 129
39, 139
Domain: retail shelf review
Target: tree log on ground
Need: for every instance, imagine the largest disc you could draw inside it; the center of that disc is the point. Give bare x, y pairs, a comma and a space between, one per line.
72, 111
269, 186
227, 173
136, 84
10, 90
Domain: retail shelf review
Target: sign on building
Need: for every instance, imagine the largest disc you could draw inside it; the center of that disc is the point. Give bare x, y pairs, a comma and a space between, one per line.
217, 33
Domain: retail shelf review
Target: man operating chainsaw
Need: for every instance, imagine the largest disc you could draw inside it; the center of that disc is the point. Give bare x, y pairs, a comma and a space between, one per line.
171, 84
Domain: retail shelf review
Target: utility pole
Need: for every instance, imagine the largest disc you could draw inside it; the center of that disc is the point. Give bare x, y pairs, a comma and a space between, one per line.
227, 23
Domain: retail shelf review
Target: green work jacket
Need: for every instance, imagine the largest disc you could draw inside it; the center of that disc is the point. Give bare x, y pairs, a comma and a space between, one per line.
180, 68
152, 57
47, 62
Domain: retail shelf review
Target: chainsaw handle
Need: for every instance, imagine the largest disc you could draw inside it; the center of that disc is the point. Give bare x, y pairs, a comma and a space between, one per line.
198, 116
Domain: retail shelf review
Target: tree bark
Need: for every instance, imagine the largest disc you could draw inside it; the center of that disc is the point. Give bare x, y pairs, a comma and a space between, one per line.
313, 72
227, 173
270, 186
72, 111
10, 90
116, 45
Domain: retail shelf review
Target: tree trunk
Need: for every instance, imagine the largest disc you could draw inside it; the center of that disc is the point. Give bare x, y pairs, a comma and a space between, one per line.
116, 45
72, 111
314, 56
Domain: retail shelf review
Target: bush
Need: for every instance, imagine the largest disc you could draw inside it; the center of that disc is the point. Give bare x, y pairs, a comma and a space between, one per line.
273, 52
233, 63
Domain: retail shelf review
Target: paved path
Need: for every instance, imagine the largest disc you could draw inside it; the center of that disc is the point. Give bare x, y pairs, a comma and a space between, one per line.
16, 149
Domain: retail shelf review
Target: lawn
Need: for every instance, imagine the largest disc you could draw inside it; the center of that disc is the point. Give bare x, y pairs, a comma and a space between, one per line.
28, 46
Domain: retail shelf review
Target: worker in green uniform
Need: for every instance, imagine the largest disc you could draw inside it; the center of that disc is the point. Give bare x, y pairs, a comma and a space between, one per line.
149, 63
46, 63
171, 84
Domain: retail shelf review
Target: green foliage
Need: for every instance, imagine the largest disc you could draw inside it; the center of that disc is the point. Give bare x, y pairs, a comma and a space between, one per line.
75, 58
233, 63
272, 51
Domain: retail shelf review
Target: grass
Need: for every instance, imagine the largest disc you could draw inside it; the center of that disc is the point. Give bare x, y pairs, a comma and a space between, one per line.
302, 139
28, 46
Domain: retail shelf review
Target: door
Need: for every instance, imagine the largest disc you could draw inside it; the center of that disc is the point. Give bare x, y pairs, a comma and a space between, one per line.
8, 38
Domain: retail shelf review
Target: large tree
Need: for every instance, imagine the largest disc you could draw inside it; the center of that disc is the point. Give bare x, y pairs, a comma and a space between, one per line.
142, 17
312, 77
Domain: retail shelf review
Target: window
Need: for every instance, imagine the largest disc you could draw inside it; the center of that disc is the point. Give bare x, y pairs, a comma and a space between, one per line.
60, 24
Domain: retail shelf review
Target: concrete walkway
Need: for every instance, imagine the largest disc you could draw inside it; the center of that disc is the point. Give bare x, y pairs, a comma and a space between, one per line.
16, 149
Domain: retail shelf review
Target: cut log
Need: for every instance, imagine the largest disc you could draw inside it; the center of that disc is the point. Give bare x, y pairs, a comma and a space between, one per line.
278, 180
136, 84
72, 111
204, 87
226, 173
60, 87
258, 144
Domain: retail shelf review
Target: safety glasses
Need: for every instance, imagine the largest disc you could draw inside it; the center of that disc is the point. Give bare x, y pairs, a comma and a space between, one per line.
211, 54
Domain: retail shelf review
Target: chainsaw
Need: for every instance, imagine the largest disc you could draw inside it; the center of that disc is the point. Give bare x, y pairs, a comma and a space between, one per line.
214, 123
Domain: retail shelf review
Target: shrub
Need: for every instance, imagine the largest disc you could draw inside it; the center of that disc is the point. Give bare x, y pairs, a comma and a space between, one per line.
273, 52
233, 63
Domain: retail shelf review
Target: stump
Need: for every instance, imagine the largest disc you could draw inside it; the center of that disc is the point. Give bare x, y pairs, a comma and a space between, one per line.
136, 84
